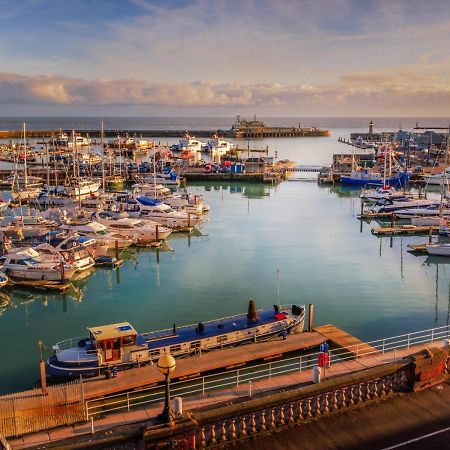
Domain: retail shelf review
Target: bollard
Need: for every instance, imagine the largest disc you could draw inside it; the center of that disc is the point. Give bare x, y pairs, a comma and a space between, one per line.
317, 374
116, 248
178, 405
157, 232
311, 317
430, 235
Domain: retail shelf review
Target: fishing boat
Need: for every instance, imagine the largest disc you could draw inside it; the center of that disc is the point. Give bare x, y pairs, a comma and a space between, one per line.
190, 143
121, 346
364, 176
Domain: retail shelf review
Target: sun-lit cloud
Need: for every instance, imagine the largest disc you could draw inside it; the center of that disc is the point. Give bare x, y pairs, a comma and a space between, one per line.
367, 93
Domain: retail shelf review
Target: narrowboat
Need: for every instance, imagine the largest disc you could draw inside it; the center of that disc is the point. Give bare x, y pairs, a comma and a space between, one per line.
119, 345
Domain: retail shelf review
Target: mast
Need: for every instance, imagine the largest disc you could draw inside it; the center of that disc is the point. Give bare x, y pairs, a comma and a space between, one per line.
444, 181
103, 156
25, 157
278, 288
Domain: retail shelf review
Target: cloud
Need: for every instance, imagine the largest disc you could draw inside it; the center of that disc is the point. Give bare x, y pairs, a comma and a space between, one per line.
403, 93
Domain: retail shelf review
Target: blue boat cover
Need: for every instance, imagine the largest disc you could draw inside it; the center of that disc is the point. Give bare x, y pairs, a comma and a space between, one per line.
147, 201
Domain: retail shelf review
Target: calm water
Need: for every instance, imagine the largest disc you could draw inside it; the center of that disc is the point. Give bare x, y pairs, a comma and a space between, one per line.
369, 286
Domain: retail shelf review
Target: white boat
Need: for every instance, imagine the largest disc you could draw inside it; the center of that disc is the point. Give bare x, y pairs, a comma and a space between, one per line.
72, 249
218, 146
160, 212
82, 186
24, 265
373, 195
429, 211
62, 139
438, 178
100, 233
3, 279
438, 249
388, 205
135, 229
190, 143
424, 221
79, 141
30, 226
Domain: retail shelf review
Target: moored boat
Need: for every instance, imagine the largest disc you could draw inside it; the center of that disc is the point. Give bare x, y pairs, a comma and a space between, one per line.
121, 346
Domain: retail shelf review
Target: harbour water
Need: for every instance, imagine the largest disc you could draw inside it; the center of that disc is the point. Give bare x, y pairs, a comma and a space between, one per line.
371, 287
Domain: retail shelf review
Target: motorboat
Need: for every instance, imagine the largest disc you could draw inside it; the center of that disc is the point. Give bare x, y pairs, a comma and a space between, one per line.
428, 211
72, 249
377, 193
119, 345
100, 233
162, 213
4, 280
190, 143
388, 205
438, 178
438, 249
82, 186
135, 229
25, 264
30, 226
79, 141
218, 146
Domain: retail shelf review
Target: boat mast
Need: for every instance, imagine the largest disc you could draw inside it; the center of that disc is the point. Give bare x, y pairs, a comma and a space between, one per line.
103, 157
278, 288
444, 181
25, 157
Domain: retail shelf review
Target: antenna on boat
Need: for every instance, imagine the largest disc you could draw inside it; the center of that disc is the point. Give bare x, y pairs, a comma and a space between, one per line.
278, 288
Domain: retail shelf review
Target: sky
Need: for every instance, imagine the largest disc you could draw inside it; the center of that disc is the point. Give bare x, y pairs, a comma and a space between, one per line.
316, 58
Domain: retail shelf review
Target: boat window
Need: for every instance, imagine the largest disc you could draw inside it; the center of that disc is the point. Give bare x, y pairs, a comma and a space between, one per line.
195, 344
154, 354
127, 340
175, 348
222, 339
116, 344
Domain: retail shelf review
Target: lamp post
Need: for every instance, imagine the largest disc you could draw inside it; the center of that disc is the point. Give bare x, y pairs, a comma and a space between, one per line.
166, 365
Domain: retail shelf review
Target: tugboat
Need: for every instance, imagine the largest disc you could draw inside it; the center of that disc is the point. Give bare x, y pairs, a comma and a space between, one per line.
119, 345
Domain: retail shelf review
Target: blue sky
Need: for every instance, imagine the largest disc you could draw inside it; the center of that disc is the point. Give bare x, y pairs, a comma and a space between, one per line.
279, 57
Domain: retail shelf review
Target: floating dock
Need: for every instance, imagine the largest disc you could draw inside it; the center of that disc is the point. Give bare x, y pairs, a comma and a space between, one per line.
405, 229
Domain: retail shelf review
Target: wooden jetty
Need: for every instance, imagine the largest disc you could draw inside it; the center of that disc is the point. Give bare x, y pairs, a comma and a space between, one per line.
42, 284
404, 229
344, 340
207, 362
375, 215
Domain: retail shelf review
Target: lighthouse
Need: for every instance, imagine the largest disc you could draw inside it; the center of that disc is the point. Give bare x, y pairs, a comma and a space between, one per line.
371, 127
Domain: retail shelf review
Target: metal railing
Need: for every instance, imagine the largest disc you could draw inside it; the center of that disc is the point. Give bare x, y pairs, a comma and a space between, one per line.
202, 385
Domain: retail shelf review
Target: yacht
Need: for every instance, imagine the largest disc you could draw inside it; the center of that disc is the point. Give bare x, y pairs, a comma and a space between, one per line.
428, 211
218, 146
121, 346
135, 229
438, 249
79, 141
162, 213
100, 233
26, 264
72, 249
82, 186
189, 143
62, 139
388, 205
438, 178
30, 226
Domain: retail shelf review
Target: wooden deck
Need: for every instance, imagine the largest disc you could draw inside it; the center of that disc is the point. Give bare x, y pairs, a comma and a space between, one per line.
406, 229
345, 340
137, 378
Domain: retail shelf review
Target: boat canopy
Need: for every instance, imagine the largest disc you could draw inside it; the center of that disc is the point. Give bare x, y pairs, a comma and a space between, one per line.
113, 331
147, 201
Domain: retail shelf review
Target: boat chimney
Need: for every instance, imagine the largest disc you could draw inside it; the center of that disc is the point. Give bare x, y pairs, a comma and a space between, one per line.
252, 315
174, 328
311, 317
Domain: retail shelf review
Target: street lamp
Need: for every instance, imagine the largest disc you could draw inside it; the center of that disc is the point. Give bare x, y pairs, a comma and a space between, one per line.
166, 365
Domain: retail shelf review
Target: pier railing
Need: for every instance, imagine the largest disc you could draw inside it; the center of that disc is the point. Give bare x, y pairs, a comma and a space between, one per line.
251, 374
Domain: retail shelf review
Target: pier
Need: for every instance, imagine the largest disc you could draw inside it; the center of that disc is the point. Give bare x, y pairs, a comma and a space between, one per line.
255, 407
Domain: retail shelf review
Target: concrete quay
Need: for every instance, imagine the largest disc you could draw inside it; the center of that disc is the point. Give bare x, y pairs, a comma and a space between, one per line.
238, 416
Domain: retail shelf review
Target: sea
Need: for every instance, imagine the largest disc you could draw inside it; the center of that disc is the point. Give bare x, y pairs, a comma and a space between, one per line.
371, 287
